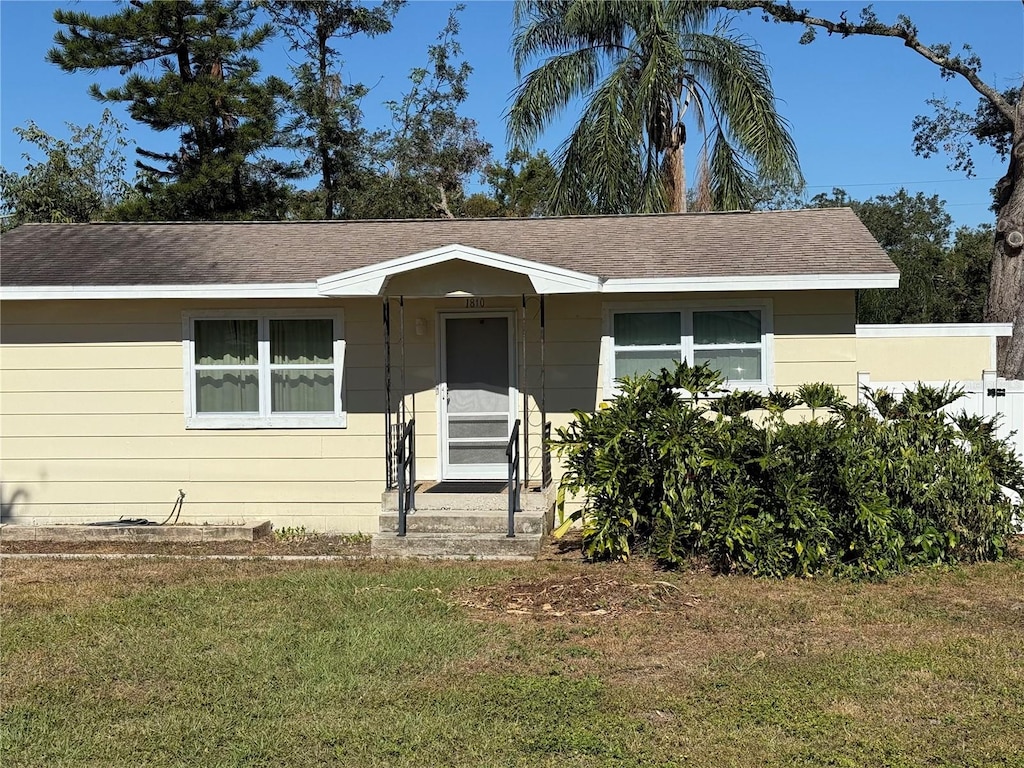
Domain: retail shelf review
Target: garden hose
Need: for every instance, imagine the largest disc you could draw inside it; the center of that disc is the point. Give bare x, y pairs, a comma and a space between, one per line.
176, 509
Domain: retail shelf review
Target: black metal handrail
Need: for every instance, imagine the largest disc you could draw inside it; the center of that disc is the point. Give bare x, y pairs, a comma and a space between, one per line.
512, 454
405, 461
545, 456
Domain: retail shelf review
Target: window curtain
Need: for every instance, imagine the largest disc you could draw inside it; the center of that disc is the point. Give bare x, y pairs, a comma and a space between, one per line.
227, 344
635, 329
734, 364
727, 327
646, 330
308, 343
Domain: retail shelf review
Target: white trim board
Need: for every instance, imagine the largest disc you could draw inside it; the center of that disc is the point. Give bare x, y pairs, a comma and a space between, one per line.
372, 280
212, 291
894, 330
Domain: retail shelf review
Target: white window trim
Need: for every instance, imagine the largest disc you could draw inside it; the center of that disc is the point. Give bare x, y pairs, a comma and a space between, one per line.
265, 419
686, 309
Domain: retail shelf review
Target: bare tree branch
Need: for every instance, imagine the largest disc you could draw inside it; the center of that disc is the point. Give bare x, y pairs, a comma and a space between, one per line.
869, 25
442, 207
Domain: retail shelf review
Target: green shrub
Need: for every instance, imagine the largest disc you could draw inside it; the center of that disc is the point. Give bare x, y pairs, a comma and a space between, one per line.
678, 468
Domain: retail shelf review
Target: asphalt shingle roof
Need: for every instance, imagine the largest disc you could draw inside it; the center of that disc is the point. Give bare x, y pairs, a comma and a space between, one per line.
808, 242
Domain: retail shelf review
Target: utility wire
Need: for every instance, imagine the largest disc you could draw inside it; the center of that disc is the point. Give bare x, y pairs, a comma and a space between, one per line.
901, 183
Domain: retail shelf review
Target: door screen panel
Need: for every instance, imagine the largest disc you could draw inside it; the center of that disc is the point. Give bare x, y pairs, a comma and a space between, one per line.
476, 454
495, 427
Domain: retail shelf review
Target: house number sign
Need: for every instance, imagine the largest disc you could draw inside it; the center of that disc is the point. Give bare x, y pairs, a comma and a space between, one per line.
475, 303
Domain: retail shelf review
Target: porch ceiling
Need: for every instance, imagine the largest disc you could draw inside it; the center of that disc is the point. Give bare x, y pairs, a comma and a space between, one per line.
372, 280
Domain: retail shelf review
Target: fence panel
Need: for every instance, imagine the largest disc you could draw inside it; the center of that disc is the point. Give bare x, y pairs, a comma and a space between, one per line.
989, 396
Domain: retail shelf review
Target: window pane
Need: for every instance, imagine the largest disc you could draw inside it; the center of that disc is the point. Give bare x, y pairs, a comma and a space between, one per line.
301, 341
227, 391
226, 342
732, 327
734, 364
302, 391
634, 329
632, 363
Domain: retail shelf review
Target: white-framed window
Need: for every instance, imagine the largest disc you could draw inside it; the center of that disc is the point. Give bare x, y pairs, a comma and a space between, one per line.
263, 369
734, 338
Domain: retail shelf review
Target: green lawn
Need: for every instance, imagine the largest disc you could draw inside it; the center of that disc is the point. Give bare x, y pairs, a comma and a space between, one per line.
154, 663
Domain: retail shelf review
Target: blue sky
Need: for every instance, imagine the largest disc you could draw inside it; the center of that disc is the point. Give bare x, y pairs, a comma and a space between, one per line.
850, 102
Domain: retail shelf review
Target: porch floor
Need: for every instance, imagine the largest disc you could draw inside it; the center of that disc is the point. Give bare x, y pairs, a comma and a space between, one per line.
463, 486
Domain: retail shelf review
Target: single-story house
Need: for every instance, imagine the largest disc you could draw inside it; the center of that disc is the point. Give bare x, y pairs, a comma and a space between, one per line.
272, 370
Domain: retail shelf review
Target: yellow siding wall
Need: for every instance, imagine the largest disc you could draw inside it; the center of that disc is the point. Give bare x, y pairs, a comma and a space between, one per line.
92, 425
91, 403
928, 358
92, 420
815, 341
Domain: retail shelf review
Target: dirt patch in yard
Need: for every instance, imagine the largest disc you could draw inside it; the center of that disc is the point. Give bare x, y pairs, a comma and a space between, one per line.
603, 591
568, 549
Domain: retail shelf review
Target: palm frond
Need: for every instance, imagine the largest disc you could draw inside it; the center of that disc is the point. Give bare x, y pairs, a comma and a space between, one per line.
736, 85
549, 89
729, 178
602, 167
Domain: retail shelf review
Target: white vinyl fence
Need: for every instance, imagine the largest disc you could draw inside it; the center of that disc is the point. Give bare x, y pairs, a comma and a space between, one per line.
991, 396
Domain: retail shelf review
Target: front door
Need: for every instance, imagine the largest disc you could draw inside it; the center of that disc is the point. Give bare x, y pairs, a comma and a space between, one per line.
477, 395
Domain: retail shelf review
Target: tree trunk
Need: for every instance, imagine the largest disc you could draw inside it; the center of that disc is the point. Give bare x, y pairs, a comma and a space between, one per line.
442, 206
674, 171
326, 99
1005, 302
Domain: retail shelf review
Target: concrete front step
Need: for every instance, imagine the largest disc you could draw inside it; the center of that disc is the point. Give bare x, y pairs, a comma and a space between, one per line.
483, 546
426, 521
530, 500
464, 525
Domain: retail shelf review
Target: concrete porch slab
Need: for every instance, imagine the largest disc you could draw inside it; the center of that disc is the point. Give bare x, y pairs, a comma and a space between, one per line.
176, 533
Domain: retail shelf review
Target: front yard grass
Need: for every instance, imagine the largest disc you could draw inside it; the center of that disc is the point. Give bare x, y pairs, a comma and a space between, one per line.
212, 663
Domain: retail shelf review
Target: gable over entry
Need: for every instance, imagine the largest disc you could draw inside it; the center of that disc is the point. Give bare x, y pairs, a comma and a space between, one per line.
459, 269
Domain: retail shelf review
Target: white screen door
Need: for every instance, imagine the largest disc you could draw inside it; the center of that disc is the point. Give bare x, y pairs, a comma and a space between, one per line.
477, 396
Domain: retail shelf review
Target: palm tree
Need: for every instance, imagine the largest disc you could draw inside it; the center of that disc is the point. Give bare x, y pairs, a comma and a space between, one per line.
640, 66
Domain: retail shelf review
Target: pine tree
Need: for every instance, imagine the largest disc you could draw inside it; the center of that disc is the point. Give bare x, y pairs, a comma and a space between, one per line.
326, 125
189, 68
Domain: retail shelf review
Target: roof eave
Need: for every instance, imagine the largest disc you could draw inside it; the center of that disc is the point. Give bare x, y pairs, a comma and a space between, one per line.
363, 283
753, 283
190, 291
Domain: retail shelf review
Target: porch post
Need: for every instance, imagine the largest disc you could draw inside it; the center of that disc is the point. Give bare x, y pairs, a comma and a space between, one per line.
401, 331
389, 484
545, 431
524, 386
543, 370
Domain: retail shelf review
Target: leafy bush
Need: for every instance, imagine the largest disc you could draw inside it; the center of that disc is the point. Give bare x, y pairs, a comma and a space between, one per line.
680, 469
